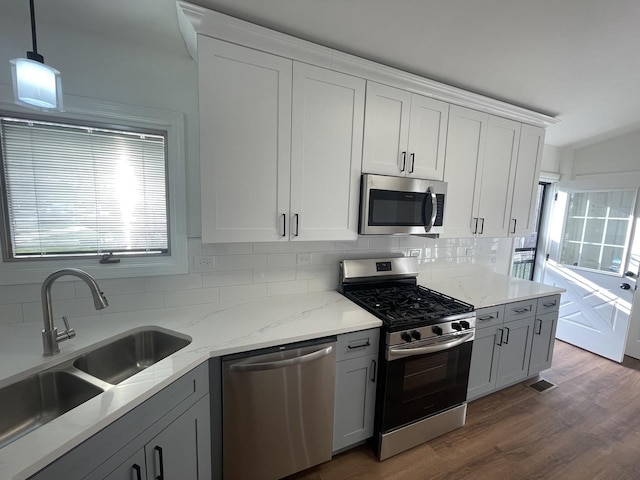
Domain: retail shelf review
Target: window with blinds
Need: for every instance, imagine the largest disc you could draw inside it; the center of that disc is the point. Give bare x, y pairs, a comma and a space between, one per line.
71, 190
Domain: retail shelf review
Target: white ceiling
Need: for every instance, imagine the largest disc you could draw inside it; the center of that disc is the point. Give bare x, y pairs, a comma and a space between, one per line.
577, 60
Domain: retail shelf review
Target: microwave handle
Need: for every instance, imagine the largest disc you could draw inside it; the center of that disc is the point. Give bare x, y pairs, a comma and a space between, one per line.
434, 209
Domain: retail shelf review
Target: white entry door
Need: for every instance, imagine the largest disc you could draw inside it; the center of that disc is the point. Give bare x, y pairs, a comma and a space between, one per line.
592, 259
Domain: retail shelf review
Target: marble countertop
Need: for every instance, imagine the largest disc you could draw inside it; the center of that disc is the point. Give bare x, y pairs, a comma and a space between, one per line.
216, 329
491, 289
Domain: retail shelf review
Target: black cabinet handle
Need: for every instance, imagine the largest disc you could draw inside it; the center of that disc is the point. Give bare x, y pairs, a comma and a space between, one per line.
475, 225
506, 340
161, 461
481, 226
539, 326
514, 225
484, 319
284, 224
501, 336
374, 366
362, 345
413, 162
136, 468
297, 225
404, 161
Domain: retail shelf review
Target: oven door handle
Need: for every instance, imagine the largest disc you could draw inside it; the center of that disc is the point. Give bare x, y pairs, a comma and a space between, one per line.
395, 353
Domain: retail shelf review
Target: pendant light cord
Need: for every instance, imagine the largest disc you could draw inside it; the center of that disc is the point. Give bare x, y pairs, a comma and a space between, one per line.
33, 27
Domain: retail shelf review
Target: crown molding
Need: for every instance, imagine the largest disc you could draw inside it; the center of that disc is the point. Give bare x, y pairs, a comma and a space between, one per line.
194, 20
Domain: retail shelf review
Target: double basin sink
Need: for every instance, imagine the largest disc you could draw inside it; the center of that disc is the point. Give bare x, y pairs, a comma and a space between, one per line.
30, 403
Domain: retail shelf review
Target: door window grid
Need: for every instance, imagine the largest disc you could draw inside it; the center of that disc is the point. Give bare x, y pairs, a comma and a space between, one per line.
597, 229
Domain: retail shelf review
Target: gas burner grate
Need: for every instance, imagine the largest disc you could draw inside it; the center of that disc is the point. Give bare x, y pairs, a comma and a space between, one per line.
408, 304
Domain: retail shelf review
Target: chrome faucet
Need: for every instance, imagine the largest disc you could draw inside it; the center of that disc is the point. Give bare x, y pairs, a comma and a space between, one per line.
50, 335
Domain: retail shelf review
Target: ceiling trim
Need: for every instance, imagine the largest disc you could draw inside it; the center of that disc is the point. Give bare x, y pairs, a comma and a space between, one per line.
194, 20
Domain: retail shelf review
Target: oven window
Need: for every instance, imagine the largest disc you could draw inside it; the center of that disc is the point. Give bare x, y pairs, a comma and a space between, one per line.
392, 208
423, 385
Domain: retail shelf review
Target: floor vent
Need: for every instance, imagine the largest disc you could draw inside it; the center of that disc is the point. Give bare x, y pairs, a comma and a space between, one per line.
542, 386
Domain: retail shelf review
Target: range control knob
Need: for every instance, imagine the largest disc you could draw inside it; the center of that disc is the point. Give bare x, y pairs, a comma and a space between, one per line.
465, 324
437, 330
405, 336
416, 335
456, 326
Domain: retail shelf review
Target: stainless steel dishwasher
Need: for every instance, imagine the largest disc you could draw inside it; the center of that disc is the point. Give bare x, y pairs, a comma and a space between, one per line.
277, 409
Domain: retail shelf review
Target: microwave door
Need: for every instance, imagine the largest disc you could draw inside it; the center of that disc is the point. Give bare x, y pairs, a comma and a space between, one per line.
429, 209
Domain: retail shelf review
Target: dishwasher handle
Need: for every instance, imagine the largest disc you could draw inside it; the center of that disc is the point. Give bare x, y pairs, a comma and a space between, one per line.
255, 367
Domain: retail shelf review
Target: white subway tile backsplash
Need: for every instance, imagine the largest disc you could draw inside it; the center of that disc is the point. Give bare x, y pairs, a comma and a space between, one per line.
275, 247
132, 303
243, 292
242, 261
282, 260
245, 270
10, 313
285, 288
265, 275
119, 286
167, 283
192, 297
226, 249
218, 279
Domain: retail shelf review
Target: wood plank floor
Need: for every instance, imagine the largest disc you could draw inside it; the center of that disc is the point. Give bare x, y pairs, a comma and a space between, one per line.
588, 427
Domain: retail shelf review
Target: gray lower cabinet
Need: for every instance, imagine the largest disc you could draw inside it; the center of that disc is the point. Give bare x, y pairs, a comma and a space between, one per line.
513, 342
167, 436
179, 451
355, 395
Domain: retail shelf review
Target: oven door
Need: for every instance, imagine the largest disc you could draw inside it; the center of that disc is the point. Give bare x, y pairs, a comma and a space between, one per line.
422, 384
392, 205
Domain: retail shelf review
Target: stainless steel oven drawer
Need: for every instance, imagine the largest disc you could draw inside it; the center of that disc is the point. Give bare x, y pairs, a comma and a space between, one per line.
489, 316
357, 344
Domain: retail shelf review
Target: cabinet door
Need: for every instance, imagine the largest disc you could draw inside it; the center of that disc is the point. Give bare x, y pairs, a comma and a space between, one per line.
466, 136
544, 334
245, 141
484, 362
132, 469
493, 199
183, 449
523, 207
326, 152
515, 351
427, 138
386, 130
354, 401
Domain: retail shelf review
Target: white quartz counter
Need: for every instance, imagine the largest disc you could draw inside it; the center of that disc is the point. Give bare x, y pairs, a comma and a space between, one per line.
216, 329
491, 289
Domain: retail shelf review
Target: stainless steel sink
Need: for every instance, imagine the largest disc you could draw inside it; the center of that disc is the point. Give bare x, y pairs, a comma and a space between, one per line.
128, 355
36, 400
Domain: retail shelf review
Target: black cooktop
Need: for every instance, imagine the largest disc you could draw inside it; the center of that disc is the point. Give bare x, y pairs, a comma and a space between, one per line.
407, 306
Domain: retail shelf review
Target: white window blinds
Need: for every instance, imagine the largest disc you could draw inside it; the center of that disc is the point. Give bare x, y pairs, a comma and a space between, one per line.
78, 190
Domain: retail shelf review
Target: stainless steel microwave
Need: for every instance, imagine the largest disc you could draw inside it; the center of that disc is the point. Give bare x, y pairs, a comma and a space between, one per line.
398, 205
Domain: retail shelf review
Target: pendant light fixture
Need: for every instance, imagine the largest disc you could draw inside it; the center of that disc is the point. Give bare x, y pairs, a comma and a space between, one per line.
35, 84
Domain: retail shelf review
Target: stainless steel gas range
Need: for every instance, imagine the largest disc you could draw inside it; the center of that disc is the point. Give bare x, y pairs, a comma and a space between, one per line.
425, 352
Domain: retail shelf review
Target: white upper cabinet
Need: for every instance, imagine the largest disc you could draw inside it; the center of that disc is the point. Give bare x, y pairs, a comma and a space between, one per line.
523, 207
245, 139
482, 152
466, 140
326, 150
280, 147
405, 133
495, 188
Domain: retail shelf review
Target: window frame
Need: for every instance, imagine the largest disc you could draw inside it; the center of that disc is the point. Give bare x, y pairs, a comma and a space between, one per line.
83, 111
630, 228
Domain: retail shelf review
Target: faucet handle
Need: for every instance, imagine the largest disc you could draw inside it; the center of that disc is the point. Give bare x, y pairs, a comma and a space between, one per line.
68, 331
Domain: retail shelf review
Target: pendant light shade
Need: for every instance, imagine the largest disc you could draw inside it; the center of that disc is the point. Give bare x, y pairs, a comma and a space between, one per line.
35, 84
